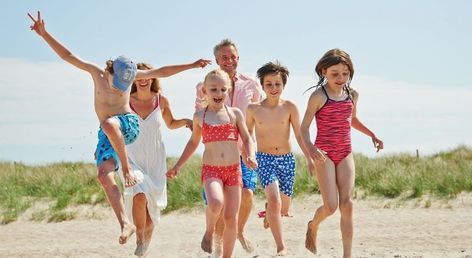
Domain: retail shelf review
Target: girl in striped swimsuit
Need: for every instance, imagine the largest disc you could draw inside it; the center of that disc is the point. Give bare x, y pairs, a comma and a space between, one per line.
333, 105
219, 126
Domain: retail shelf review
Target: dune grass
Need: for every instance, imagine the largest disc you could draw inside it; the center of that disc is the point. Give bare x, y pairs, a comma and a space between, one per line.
444, 175
64, 183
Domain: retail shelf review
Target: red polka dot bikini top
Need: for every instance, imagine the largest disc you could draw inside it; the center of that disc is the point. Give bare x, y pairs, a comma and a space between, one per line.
219, 132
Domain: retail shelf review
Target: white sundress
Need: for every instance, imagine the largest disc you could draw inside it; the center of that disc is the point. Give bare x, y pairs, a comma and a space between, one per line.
147, 159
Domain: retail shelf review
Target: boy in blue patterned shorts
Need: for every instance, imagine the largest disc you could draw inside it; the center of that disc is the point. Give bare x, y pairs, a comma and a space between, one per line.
272, 119
118, 125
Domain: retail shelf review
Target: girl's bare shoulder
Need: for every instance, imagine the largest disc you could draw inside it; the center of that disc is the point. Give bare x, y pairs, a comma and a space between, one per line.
318, 95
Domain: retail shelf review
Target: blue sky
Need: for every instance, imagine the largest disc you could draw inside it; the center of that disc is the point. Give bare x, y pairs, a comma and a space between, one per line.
412, 62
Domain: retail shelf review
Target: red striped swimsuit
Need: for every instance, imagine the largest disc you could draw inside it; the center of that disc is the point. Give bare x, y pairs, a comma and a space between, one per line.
333, 122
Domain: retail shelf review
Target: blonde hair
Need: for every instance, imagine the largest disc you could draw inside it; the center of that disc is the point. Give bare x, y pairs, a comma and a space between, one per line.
219, 73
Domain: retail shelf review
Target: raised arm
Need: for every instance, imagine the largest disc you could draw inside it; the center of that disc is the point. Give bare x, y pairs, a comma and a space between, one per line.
190, 148
295, 121
170, 70
358, 125
169, 119
39, 27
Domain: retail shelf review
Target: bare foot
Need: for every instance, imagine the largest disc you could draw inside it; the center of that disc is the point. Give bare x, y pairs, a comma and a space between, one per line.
282, 252
246, 244
130, 178
207, 242
310, 240
142, 249
127, 230
139, 249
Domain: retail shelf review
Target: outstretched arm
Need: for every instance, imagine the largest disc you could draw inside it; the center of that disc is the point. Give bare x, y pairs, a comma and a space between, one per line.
169, 119
39, 27
170, 70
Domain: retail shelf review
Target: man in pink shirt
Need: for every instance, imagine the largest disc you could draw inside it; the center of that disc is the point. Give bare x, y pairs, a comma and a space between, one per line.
245, 91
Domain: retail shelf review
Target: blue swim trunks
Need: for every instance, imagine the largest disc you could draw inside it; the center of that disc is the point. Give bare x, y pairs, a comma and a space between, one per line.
129, 126
277, 167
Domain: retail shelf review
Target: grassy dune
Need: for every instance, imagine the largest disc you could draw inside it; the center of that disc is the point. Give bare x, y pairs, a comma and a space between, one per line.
64, 185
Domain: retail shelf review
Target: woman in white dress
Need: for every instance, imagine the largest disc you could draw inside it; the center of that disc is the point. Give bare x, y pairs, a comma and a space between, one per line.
147, 158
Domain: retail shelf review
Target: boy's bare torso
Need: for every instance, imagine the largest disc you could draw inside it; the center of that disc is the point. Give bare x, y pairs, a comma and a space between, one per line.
272, 126
109, 101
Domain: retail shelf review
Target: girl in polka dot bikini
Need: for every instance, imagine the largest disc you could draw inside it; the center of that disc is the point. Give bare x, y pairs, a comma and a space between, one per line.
219, 126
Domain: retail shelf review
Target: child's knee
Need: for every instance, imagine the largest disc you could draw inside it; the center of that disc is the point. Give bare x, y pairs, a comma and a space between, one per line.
110, 125
231, 220
274, 202
215, 205
105, 173
331, 207
346, 206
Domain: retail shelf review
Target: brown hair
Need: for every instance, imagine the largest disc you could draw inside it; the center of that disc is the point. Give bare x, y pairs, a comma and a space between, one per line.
155, 85
273, 68
333, 57
109, 66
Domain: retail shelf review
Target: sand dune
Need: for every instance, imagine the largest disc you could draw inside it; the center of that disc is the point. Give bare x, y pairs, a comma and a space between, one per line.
383, 228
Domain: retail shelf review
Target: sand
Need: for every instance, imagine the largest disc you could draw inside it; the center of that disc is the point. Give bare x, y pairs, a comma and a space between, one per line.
383, 228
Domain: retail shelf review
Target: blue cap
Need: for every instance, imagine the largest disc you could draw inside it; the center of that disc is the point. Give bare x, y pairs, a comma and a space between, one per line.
124, 72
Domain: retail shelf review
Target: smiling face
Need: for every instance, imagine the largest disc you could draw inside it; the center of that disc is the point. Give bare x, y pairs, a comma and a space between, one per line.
273, 85
216, 87
337, 75
145, 85
227, 58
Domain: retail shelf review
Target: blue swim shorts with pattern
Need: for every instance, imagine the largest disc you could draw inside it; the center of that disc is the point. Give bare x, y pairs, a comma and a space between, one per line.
277, 167
129, 126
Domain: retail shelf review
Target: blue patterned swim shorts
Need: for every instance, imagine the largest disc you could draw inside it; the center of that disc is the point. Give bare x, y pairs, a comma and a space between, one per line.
277, 167
129, 126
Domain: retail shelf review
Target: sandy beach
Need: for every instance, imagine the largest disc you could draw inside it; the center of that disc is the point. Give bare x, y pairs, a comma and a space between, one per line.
383, 228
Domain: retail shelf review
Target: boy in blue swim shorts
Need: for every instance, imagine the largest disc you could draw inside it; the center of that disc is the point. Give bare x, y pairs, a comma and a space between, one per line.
271, 120
118, 125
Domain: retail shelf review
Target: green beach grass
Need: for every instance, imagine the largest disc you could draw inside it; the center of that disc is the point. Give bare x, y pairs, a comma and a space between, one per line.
63, 185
